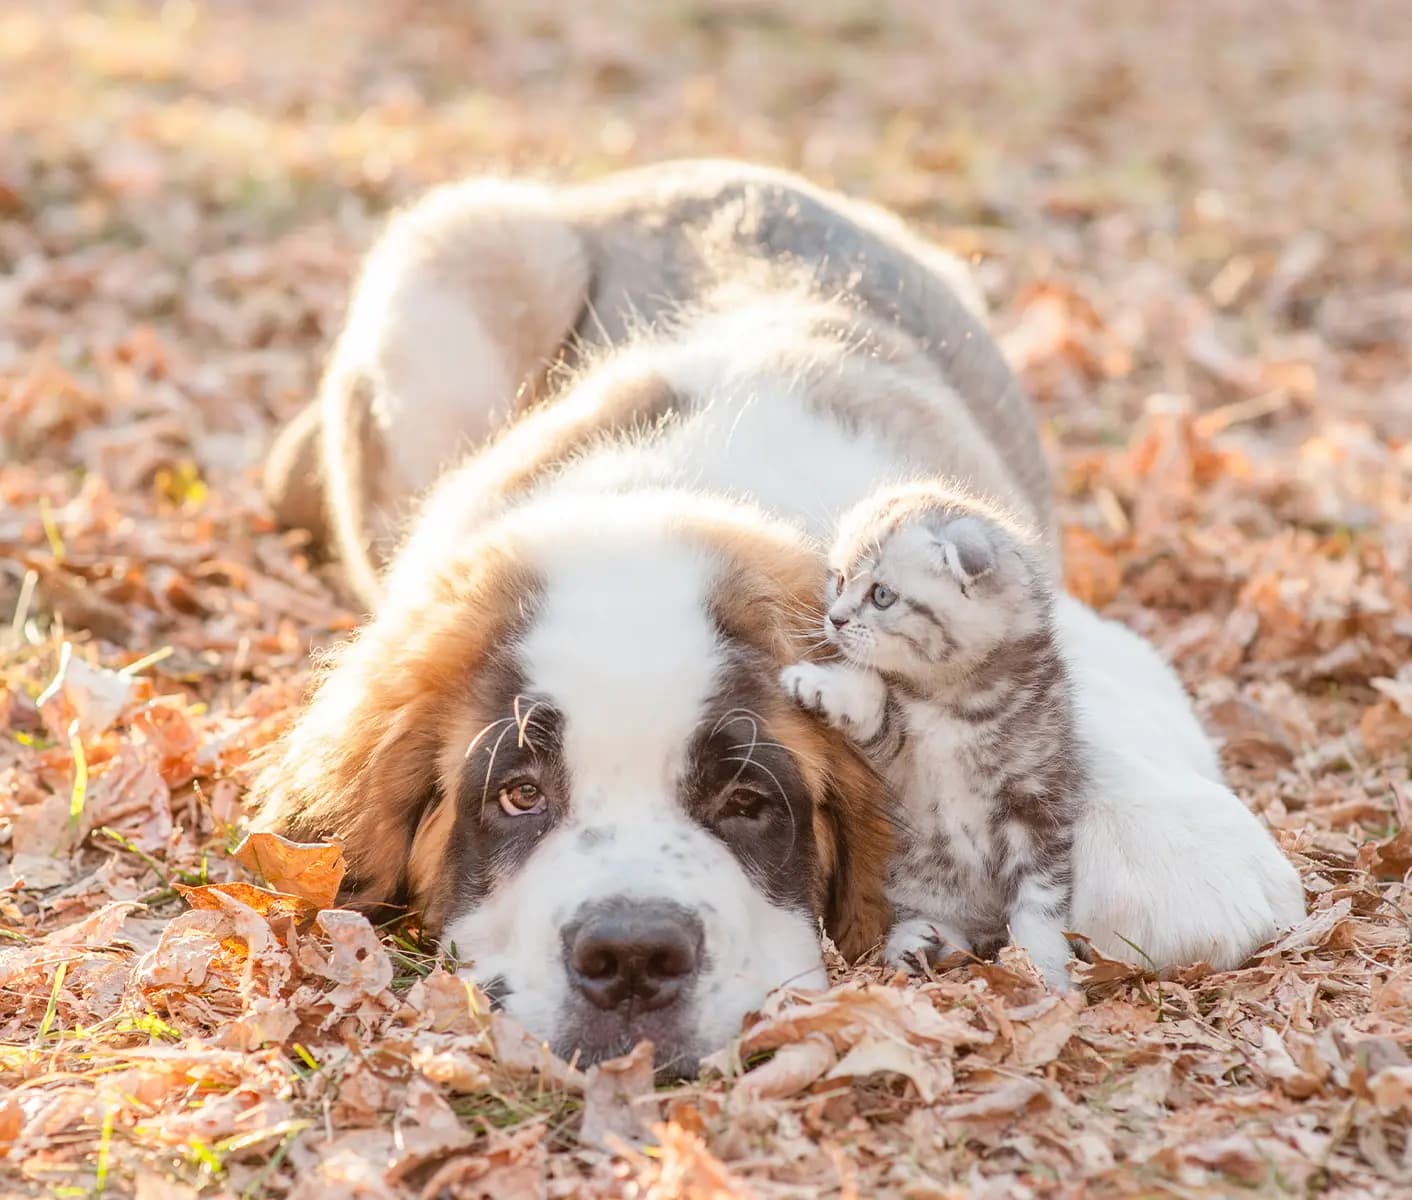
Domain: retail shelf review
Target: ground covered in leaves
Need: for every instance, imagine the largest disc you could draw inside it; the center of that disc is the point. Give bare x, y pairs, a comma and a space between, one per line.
1193, 223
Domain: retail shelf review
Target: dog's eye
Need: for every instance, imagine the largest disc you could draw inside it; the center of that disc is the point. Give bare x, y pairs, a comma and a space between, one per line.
882, 596
522, 799
744, 804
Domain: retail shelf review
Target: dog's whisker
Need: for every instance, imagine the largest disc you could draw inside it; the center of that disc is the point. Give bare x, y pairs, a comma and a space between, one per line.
490, 766
485, 732
524, 721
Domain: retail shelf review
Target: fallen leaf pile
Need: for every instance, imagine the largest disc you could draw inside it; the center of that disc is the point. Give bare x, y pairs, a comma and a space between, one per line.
1193, 225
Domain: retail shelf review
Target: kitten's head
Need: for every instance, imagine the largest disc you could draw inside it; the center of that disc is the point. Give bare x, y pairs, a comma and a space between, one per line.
927, 581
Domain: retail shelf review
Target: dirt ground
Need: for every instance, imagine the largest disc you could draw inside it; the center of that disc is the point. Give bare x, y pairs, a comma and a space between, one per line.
1194, 222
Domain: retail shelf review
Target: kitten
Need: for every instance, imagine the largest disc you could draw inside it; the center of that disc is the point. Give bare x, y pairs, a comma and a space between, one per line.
953, 684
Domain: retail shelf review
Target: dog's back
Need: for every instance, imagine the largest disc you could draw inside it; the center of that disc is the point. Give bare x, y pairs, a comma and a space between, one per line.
537, 279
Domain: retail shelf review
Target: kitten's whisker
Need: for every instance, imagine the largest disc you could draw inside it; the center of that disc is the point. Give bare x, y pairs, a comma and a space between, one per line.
757, 744
795, 609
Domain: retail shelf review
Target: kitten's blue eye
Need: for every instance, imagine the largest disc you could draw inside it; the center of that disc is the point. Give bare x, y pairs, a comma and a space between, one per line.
839, 582
882, 596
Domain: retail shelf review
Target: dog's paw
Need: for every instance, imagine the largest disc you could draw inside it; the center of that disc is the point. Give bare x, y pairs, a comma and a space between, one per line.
1054, 971
849, 699
917, 943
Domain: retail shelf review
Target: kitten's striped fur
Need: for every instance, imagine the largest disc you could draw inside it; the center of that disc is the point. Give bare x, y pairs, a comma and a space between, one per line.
954, 685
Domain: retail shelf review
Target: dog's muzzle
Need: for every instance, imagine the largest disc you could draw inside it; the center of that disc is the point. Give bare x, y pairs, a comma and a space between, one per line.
633, 965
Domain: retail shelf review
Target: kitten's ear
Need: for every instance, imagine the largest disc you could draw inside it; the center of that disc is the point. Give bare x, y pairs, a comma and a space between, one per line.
967, 548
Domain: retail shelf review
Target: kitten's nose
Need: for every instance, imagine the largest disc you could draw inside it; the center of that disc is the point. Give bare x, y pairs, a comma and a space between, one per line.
837, 622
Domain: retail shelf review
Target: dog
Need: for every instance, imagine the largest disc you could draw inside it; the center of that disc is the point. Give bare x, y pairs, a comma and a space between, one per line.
575, 449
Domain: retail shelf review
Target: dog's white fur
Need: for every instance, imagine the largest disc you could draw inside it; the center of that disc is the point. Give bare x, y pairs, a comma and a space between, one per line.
440, 284
1169, 866
619, 589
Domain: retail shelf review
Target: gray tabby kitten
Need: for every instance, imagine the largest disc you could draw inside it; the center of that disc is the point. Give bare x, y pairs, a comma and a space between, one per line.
953, 684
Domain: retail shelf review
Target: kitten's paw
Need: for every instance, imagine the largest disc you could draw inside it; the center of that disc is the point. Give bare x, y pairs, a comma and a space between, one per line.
849, 699
917, 943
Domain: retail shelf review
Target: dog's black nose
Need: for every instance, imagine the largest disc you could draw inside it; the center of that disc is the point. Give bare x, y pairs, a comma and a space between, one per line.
627, 954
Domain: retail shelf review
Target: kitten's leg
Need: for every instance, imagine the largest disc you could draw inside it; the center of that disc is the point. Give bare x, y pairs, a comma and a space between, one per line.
1038, 918
916, 942
848, 697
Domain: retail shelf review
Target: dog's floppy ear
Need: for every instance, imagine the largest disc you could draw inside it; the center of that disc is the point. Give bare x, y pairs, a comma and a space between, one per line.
854, 835
362, 762
771, 585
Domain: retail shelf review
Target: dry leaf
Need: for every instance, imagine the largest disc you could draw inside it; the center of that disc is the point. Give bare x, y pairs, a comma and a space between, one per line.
448, 1003
1279, 1065
1091, 572
520, 1052
791, 1069
613, 1098
85, 698
1042, 1030
42, 839
214, 896
1391, 1090
427, 1129
454, 1067
1386, 729
930, 1074
1392, 857
312, 871
848, 1012
356, 960
1315, 930
510, 1168
683, 1167
11, 1121
1001, 1104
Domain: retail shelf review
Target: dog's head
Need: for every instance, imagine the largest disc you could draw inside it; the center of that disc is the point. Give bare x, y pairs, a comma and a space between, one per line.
565, 746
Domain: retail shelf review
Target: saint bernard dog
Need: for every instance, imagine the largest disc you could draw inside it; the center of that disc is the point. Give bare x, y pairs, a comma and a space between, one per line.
576, 449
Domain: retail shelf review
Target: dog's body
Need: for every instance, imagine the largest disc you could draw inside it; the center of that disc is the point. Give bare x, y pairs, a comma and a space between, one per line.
561, 738
529, 285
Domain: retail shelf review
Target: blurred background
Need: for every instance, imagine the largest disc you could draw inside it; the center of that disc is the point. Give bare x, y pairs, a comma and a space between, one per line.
1216, 182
